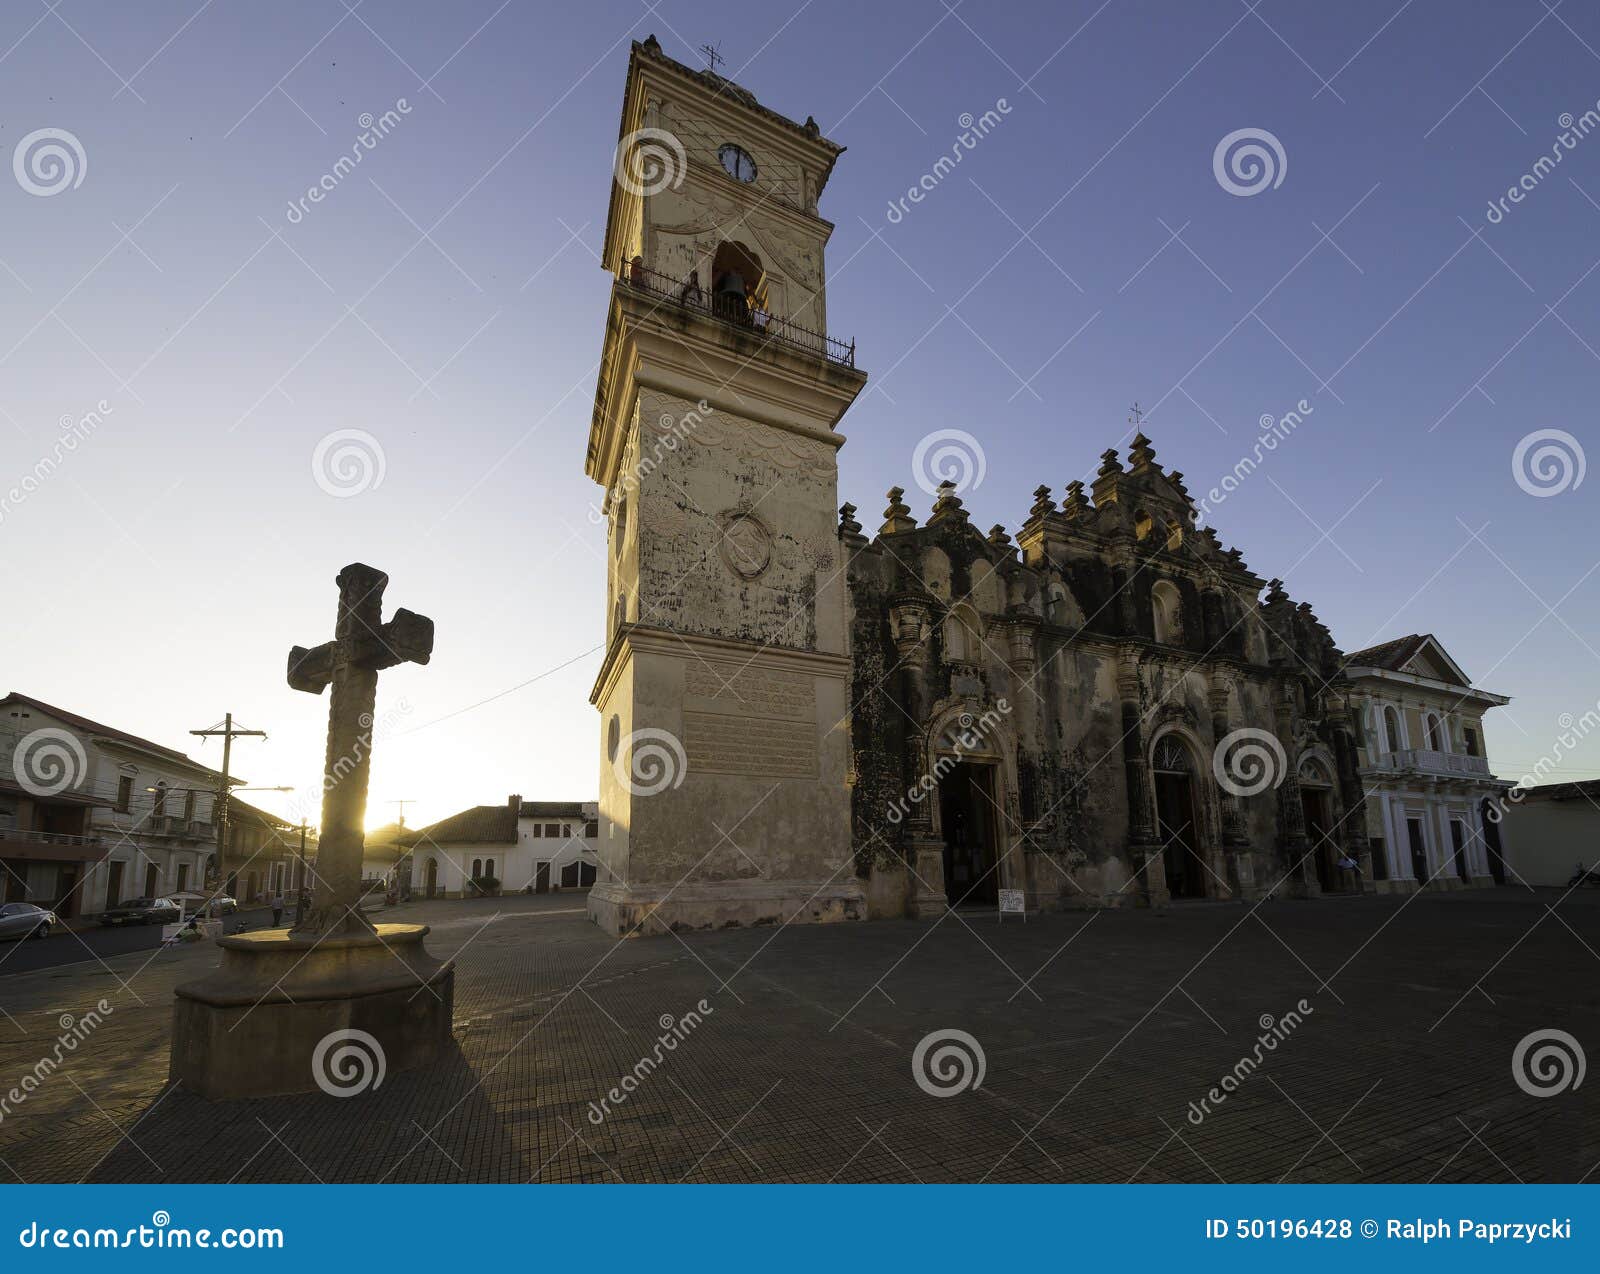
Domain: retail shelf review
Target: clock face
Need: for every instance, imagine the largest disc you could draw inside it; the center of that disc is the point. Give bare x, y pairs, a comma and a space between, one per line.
737, 163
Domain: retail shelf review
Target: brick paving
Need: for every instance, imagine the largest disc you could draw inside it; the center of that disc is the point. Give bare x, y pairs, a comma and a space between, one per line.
1097, 1028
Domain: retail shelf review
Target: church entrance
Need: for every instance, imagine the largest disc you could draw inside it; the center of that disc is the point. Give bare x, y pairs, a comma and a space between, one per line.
1176, 819
1316, 809
967, 816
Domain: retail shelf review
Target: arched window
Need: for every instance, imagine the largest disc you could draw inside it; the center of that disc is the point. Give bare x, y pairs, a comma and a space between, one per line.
488, 869
1170, 756
1391, 728
1471, 737
1313, 773
1174, 534
1167, 613
1141, 524
1435, 732
477, 869
962, 635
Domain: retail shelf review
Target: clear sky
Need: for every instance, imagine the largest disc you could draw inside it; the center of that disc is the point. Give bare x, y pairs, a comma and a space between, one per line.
445, 297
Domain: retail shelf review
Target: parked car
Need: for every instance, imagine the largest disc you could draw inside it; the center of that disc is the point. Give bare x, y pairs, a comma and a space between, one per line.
24, 920
193, 902
142, 911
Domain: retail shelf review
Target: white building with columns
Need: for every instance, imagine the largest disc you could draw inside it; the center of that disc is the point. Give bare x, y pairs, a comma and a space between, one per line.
1424, 768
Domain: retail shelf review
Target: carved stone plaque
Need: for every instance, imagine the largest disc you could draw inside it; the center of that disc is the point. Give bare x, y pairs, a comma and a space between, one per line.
743, 721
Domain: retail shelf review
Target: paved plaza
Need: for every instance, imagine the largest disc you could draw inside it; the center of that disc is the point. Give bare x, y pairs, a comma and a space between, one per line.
1097, 1031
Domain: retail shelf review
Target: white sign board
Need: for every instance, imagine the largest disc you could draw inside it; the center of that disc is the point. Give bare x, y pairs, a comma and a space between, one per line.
1013, 902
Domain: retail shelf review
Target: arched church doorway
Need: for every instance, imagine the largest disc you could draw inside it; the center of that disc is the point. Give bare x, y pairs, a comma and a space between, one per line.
1177, 821
967, 818
1316, 807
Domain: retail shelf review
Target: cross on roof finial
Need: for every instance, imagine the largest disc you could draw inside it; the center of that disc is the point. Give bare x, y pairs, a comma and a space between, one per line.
1138, 416
712, 56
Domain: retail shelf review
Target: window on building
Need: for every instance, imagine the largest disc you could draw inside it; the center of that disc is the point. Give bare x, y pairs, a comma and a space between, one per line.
591, 829
538, 830
188, 807
552, 829
1166, 613
477, 869
566, 829
488, 868
159, 804
1391, 728
183, 877
1435, 731
1471, 737
124, 793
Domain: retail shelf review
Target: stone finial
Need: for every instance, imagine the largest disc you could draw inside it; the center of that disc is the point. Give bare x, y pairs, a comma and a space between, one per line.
1175, 477
947, 505
1075, 506
1108, 479
651, 44
1043, 505
1143, 454
1275, 593
998, 539
897, 517
849, 528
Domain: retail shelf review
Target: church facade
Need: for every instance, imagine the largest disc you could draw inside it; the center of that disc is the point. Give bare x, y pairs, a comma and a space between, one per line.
1100, 713
805, 723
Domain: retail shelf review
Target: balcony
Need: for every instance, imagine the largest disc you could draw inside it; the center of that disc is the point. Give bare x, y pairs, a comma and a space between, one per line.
1423, 761
734, 313
23, 842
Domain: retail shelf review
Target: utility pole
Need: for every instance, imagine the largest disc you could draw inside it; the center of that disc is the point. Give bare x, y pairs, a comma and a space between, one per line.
400, 850
229, 732
300, 888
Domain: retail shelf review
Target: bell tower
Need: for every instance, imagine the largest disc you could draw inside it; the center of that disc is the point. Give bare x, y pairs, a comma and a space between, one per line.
723, 699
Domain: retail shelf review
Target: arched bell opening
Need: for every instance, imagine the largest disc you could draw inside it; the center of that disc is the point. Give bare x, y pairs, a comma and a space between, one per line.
738, 283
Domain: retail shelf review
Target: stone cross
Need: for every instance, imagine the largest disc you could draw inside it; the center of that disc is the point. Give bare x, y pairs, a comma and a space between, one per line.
362, 645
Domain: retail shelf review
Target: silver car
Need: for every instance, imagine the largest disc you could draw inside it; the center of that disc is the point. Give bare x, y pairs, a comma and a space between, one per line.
24, 920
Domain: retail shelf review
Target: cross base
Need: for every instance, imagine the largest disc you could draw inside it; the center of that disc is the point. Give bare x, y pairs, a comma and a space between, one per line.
293, 1013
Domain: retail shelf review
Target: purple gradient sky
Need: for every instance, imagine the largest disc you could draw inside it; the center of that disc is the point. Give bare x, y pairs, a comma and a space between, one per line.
160, 575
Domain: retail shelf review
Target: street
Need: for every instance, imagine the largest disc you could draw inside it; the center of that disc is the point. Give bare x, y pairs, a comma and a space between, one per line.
98, 943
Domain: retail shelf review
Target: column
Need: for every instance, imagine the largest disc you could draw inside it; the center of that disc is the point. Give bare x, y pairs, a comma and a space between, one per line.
1144, 846
1294, 851
909, 623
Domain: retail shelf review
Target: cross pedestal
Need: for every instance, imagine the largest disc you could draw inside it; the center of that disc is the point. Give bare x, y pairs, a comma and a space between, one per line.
336, 1002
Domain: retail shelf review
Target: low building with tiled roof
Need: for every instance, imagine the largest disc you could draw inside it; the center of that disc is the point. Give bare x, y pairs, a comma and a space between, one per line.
515, 847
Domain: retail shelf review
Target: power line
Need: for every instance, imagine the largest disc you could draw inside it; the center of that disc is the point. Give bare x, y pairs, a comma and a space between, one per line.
503, 693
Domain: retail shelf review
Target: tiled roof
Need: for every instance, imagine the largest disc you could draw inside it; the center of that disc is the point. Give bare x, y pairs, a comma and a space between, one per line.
238, 809
1393, 655
106, 731
480, 825
552, 809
